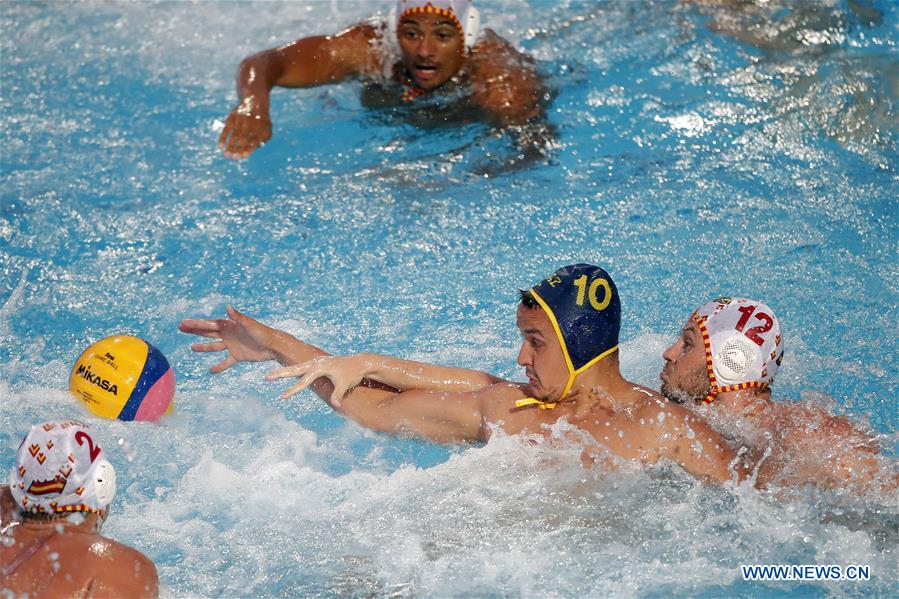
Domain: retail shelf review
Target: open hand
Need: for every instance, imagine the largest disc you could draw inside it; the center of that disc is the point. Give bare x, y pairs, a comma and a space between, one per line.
345, 373
244, 338
248, 127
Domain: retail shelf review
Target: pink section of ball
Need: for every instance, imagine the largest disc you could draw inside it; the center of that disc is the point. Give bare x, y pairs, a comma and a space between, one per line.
158, 398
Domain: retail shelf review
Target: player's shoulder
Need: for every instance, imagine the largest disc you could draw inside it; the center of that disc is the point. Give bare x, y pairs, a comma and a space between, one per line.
127, 572
501, 391
817, 418
649, 404
489, 41
493, 52
359, 36
362, 46
498, 399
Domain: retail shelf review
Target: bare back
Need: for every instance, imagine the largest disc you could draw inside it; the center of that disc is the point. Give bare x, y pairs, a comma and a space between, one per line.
58, 559
811, 445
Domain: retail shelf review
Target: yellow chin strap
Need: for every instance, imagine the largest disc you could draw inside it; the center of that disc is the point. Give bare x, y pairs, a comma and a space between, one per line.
531, 401
572, 372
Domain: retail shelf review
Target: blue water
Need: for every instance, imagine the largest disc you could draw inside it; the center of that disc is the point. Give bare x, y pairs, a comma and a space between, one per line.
698, 151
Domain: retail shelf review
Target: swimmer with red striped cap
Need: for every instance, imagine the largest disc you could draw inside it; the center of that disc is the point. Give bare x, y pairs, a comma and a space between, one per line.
728, 345
725, 360
422, 48
57, 500
569, 323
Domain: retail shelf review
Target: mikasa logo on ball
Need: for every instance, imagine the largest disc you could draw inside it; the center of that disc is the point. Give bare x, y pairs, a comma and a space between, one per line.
137, 381
85, 373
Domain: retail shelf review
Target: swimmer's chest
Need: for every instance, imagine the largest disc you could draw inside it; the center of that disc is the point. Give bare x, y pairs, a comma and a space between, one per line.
430, 111
532, 419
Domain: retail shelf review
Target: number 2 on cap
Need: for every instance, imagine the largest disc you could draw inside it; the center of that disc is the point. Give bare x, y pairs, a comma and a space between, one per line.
94, 451
754, 332
582, 291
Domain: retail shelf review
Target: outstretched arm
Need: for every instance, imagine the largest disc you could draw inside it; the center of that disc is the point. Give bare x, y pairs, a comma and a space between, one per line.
348, 371
306, 62
436, 403
440, 417
245, 339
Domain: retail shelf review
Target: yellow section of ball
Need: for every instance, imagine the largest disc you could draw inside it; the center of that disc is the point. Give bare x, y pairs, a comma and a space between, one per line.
106, 372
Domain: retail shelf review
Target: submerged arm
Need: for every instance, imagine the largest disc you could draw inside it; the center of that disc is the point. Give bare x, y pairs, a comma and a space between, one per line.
506, 84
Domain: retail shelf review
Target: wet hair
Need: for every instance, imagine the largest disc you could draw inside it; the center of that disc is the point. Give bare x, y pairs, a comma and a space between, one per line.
527, 299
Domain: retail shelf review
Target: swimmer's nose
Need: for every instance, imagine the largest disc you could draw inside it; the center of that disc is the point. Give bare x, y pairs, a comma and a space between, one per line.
669, 354
427, 48
524, 355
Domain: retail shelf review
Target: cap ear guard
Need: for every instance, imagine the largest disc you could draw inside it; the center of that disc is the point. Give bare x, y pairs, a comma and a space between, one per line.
391, 24
104, 482
471, 26
734, 362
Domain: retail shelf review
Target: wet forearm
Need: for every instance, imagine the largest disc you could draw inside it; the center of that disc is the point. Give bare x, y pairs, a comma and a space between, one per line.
426, 415
288, 350
409, 374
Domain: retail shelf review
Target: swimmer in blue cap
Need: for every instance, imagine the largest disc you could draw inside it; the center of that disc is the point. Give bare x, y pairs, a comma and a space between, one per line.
569, 323
582, 305
421, 47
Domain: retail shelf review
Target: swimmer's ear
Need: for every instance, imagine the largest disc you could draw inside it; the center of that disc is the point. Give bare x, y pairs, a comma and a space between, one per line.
104, 482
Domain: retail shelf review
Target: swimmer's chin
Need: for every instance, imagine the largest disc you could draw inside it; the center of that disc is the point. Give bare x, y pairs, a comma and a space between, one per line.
531, 390
675, 395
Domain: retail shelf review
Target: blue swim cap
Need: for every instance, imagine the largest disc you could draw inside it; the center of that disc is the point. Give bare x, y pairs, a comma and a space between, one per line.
583, 305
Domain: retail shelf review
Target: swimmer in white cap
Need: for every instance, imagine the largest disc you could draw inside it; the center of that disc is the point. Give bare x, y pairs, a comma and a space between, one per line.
50, 518
421, 47
725, 360
569, 324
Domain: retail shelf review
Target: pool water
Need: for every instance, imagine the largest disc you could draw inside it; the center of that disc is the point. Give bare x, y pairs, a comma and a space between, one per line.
697, 151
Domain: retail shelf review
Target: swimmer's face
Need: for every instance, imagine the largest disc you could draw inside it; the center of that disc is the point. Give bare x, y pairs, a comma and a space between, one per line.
541, 355
685, 376
432, 48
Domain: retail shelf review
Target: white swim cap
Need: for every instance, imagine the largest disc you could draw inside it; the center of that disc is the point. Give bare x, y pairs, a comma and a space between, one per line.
61, 468
465, 15
743, 344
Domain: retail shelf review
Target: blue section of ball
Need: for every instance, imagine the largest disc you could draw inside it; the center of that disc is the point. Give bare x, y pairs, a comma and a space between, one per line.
154, 367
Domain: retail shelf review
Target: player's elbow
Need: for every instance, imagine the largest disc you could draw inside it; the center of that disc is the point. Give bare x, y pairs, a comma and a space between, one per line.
261, 68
